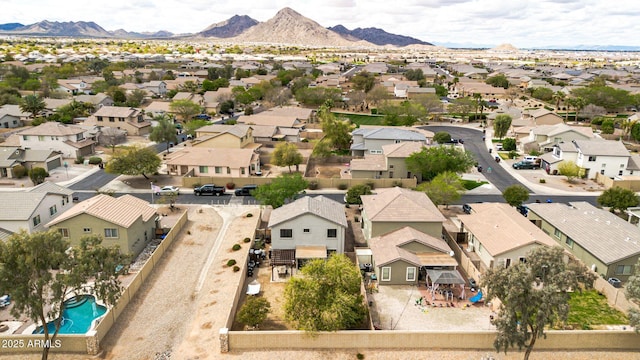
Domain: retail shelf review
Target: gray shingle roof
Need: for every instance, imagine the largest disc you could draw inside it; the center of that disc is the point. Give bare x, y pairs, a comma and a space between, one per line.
390, 133
400, 205
602, 147
320, 206
601, 233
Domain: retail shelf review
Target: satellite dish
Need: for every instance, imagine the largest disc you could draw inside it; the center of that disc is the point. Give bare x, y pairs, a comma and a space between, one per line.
451, 253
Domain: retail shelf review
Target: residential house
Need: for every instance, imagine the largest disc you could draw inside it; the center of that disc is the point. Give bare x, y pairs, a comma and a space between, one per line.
388, 165
98, 100
402, 256
499, 236
11, 116
285, 117
52, 105
12, 156
604, 242
369, 140
394, 208
633, 215
204, 161
70, 140
238, 136
125, 118
543, 116
469, 87
312, 227
157, 88
32, 209
607, 157
544, 137
74, 86
125, 221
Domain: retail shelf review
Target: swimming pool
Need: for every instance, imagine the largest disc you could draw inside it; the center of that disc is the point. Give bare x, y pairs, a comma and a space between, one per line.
79, 312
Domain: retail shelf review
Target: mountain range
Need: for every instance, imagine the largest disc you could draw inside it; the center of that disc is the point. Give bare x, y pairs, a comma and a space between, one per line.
286, 27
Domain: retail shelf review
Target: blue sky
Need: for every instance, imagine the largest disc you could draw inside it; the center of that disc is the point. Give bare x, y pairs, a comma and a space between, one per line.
522, 23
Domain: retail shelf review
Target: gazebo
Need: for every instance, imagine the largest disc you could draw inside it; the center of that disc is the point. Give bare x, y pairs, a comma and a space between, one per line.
444, 277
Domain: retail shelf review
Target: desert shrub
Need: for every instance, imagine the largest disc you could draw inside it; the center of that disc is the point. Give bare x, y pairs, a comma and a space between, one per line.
19, 171
542, 181
79, 160
231, 262
231, 185
246, 239
343, 186
236, 247
95, 160
397, 183
236, 268
371, 184
313, 185
195, 185
249, 215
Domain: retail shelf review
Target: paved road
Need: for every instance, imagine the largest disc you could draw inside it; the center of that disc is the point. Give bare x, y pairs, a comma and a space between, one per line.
94, 181
473, 142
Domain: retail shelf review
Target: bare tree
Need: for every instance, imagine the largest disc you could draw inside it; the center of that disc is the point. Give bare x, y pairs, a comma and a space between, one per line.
111, 137
591, 111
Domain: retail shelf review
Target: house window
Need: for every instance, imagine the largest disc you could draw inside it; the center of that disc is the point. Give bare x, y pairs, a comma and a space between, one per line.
390, 166
64, 232
121, 119
36, 220
411, 273
228, 170
218, 170
569, 242
53, 210
507, 263
65, 200
242, 171
306, 230
386, 274
623, 270
40, 138
86, 230
111, 233
99, 118
375, 151
620, 172
556, 233
522, 260
621, 166
592, 158
112, 119
332, 233
602, 172
604, 166
203, 169
398, 141
286, 233
25, 137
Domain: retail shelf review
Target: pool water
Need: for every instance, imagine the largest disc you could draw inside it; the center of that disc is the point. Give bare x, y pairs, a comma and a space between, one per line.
79, 312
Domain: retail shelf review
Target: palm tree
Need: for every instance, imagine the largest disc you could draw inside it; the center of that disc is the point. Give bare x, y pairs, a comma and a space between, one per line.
558, 97
627, 125
32, 104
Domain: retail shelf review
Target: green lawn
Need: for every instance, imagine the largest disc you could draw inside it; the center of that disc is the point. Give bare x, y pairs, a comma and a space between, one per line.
591, 308
361, 119
472, 184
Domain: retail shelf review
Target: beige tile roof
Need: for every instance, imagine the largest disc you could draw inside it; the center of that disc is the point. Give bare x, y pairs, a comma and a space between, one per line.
601, 147
200, 156
371, 162
122, 211
400, 205
603, 234
238, 130
403, 149
320, 206
52, 128
117, 111
501, 228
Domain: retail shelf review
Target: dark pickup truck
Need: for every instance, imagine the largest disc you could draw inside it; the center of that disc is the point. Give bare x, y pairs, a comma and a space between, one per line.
209, 189
245, 190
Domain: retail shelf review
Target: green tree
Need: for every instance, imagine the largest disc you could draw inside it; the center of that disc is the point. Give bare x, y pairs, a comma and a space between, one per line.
185, 109
136, 161
353, 194
286, 154
617, 198
326, 297
164, 131
635, 131
39, 272
136, 97
377, 94
192, 125
501, 125
364, 81
414, 74
279, 190
254, 311
32, 104
608, 97
633, 293
463, 106
442, 137
322, 148
515, 195
542, 93
336, 131
318, 95
38, 175
533, 295
570, 169
608, 126
432, 161
499, 80
444, 189
509, 144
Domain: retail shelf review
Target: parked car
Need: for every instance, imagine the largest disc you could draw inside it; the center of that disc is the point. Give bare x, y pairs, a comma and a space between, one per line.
473, 284
209, 189
245, 190
616, 283
497, 159
168, 190
525, 165
466, 208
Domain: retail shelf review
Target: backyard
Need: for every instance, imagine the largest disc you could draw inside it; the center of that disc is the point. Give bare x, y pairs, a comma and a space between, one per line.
590, 310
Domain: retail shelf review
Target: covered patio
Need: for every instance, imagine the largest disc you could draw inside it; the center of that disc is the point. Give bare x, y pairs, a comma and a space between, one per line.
449, 284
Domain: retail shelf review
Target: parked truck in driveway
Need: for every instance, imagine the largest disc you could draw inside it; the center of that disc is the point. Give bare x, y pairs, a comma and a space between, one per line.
209, 189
